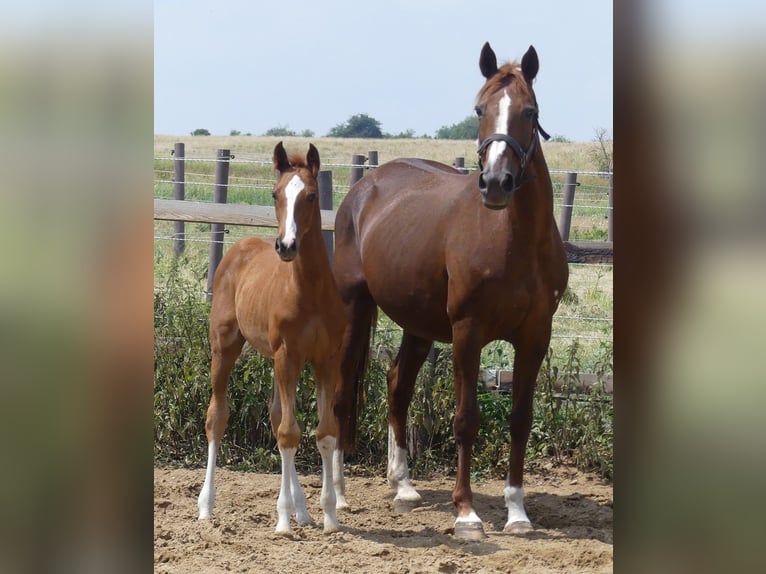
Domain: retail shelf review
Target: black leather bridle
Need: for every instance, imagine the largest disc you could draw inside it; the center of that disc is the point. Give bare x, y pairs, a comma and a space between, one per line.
525, 156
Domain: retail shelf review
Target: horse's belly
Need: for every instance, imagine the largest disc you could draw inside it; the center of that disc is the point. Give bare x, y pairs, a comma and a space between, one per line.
422, 313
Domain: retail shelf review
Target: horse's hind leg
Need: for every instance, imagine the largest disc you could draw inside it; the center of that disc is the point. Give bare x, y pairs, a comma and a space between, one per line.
226, 343
360, 312
401, 385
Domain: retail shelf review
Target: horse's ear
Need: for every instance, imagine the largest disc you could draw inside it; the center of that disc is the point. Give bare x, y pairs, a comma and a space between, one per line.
312, 160
487, 61
281, 163
530, 65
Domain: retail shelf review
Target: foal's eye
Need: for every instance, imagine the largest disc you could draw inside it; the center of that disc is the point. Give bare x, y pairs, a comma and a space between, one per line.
530, 113
311, 197
274, 195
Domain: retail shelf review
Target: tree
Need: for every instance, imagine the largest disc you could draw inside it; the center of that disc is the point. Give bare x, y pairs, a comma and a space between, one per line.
468, 129
280, 131
201, 132
358, 126
235, 133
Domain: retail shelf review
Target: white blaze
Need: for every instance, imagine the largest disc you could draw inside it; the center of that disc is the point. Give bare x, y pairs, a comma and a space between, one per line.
292, 190
496, 149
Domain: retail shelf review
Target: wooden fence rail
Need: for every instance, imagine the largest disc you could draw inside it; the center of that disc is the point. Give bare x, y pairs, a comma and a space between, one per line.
220, 213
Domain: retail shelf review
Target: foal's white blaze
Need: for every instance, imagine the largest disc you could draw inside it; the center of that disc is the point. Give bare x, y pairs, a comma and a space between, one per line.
514, 500
292, 190
399, 472
496, 149
206, 498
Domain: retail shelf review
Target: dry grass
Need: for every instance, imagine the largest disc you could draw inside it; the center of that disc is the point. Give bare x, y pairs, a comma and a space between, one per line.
565, 156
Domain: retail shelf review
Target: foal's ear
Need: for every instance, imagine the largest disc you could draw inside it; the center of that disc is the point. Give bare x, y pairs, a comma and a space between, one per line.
281, 163
530, 65
312, 160
487, 61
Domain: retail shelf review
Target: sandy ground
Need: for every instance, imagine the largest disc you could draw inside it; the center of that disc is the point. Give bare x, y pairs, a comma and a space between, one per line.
571, 512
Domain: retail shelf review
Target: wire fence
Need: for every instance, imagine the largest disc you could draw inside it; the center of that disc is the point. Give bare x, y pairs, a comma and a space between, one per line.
584, 315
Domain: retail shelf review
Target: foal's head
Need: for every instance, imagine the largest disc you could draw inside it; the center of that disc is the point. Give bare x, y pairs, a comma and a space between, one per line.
295, 198
507, 110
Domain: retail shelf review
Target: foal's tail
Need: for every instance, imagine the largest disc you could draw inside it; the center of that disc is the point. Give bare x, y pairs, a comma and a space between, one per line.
359, 394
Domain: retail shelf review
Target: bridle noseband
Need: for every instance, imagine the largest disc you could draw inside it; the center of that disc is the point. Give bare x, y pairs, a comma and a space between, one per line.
525, 156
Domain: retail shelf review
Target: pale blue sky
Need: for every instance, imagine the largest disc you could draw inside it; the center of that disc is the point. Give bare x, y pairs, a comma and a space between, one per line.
410, 64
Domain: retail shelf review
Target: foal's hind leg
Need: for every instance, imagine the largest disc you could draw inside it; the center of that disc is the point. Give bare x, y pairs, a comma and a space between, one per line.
401, 385
226, 343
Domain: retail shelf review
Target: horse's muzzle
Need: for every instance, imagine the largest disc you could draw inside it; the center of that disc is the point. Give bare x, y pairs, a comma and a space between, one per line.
496, 188
286, 252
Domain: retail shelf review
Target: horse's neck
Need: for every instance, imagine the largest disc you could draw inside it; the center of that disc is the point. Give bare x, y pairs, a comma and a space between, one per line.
532, 207
311, 267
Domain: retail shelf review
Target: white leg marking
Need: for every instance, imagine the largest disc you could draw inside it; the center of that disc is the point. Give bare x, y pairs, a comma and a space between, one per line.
338, 481
496, 149
206, 498
293, 188
399, 472
514, 500
470, 517
302, 515
327, 500
285, 503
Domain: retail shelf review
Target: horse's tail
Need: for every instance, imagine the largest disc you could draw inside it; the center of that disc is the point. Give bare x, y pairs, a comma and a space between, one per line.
359, 394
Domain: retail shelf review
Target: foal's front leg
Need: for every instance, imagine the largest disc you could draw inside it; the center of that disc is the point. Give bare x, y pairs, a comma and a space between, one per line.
287, 432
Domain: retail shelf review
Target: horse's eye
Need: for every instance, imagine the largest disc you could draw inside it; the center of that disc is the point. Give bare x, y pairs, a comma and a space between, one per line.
311, 197
274, 195
477, 109
530, 113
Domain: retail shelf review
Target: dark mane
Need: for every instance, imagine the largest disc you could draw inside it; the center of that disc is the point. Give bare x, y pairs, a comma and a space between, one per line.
509, 74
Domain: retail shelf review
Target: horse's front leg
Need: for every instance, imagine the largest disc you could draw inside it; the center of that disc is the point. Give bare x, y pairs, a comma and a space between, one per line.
401, 385
466, 351
526, 364
288, 433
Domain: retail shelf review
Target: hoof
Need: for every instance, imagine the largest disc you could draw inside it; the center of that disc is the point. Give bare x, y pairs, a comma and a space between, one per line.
341, 504
402, 506
470, 530
520, 527
203, 515
331, 529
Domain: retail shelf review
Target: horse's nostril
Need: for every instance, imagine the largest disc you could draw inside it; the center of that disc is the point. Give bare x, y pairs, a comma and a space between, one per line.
508, 183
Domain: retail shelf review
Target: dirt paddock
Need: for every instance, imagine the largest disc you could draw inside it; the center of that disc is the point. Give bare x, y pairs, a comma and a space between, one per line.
571, 512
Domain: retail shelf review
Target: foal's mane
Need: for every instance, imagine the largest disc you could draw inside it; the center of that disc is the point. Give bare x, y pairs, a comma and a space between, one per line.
509, 74
297, 160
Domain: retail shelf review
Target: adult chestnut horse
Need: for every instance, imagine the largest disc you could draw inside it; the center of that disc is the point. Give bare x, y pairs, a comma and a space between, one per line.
466, 259
282, 299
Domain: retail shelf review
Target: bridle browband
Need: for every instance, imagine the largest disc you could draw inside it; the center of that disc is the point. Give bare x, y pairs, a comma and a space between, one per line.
524, 156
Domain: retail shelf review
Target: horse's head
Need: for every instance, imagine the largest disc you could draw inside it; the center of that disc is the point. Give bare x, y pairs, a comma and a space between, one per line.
295, 198
508, 126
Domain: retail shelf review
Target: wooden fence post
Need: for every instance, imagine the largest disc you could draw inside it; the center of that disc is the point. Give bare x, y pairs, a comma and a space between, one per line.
325, 202
217, 229
179, 192
460, 164
565, 223
610, 209
357, 169
372, 162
